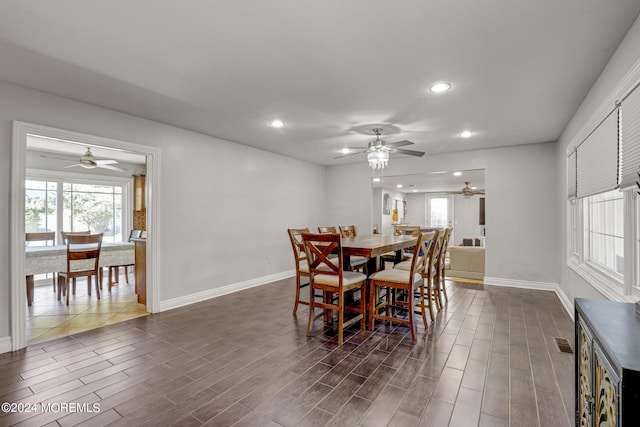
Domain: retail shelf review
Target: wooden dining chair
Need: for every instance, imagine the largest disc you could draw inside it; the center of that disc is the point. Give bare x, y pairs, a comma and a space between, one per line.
114, 270
63, 240
356, 262
439, 286
300, 258
47, 236
83, 258
409, 283
332, 279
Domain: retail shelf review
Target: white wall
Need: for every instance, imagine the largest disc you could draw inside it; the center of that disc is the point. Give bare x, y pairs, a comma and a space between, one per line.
224, 207
416, 209
602, 96
466, 222
522, 225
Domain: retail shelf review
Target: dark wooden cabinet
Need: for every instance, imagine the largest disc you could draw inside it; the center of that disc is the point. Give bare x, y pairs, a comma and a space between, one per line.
141, 269
607, 361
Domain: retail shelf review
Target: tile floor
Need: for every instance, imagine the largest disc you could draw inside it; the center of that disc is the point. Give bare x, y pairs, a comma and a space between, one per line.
488, 359
49, 318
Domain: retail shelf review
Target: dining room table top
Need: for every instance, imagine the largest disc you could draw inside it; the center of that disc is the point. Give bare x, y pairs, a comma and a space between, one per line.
373, 245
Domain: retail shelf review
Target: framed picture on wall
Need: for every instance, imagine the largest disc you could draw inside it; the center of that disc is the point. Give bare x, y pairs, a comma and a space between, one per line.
386, 204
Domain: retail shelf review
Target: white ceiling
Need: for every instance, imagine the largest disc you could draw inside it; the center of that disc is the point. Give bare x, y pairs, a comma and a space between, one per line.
330, 69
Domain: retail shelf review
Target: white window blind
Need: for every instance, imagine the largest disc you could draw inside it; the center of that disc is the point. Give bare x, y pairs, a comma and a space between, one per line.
630, 139
597, 159
571, 175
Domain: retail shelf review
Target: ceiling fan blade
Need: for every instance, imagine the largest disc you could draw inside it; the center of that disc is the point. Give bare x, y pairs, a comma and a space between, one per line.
400, 143
68, 159
72, 166
114, 168
106, 162
409, 152
350, 154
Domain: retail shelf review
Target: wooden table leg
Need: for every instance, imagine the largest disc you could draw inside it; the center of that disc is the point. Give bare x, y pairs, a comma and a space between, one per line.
30, 285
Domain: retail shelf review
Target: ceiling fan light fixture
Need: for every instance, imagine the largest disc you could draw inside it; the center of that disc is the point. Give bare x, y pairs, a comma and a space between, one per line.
378, 159
88, 165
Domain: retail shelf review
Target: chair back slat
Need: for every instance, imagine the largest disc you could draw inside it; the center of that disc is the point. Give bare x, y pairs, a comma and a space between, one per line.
40, 237
318, 247
421, 251
324, 230
348, 231
64, 234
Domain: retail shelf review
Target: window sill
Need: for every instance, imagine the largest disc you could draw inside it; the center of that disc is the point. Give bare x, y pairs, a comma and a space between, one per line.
608, 287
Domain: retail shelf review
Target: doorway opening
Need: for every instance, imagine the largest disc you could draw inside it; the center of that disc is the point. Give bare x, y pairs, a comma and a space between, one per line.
48, 197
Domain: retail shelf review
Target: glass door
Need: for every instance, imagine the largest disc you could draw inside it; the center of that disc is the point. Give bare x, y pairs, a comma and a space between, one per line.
439, 211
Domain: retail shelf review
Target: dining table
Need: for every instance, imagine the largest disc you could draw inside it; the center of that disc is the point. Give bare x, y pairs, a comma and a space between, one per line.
49, 259
373, 245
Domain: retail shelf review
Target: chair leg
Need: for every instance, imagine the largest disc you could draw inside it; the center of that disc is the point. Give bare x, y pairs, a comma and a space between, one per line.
422, 307
74, 286
429, 298
444, 287
89, 285
311, 309
66, 288
363, 305
295, 305
126, 274
53, 281
97, 285
372, 303
340, 317
413, 329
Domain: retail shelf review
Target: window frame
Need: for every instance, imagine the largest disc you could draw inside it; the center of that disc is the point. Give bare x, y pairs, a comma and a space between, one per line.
628, 288
76, 178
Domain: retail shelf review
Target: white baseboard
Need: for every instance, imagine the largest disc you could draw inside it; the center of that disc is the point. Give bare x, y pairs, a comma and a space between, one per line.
224, 290
541, 286
5, 344
566, 302
525, 284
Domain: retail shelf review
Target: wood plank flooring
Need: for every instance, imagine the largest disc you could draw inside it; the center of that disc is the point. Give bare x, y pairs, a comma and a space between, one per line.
489, 359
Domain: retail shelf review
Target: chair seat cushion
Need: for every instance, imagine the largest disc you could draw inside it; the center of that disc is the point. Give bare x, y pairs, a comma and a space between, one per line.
348, 278
406, 265
393, 275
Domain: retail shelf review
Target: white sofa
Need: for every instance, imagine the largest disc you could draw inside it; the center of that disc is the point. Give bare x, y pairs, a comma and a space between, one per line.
466, 262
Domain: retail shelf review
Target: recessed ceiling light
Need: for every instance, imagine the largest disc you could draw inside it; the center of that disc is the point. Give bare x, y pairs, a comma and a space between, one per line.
466, 134
457, 173
474, 188
415, 191
345, 151
376, 179
399, 186
440, 87
276, 124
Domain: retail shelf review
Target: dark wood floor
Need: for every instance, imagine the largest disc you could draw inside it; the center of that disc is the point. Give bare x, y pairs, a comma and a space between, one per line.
489, 359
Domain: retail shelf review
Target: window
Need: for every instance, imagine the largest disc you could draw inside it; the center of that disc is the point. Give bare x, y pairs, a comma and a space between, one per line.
40, 206
604, 232
72, 204
605, 238
94, 207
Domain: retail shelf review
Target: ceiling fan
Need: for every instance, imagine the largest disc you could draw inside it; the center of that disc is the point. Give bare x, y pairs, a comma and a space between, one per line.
88, 161
467, 191
378, 150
